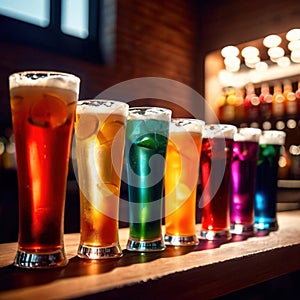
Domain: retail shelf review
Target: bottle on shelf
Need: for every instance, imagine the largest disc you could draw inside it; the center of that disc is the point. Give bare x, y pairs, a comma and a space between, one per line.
278, 105
251, 103
239, 104
265, 99
225, 104
290, 98
297, 93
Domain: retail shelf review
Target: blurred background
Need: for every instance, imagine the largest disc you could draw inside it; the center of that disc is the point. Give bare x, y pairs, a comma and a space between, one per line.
106, 42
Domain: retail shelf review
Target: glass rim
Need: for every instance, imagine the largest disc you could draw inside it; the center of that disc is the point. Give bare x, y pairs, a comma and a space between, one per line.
153, 113
272, 137
219, 131
186, 124
26, 78
86, 106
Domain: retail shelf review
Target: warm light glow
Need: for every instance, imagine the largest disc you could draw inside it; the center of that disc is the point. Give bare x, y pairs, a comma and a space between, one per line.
252, 61
230, 51
250, 51
276, 52
294, 45
272, 40
293, 34
283, 61
295, 56
261, 66
232, 64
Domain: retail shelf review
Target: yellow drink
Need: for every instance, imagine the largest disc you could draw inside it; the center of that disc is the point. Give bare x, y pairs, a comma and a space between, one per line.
181, 178
100, 139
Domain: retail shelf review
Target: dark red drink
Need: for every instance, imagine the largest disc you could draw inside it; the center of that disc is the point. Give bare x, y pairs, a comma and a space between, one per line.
216, 154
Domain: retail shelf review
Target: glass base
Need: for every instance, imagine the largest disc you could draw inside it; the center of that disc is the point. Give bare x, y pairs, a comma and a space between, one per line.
270, 226
176, 240
145, 245
34, 260
88, 252
242, 229
211, 235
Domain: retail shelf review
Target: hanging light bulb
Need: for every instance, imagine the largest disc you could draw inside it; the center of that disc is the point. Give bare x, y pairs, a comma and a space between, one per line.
250, 62
232, 63
283, 61
275, 53
230, 51
294, 45
293, 34
250, 51
272, 40
295, 56
261, 66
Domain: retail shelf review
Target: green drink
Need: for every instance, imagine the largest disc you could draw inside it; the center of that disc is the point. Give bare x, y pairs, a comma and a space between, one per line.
145, 151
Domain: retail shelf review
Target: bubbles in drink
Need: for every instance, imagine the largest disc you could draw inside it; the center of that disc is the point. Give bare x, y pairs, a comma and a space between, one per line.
50, 111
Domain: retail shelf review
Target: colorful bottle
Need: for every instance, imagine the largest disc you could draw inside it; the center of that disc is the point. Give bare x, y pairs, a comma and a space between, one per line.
290, 98
226, 104
251, 103
278, 105
265, 99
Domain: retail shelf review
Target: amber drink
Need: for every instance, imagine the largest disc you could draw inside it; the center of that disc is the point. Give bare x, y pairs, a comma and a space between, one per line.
100, 139
181, 178
43, 107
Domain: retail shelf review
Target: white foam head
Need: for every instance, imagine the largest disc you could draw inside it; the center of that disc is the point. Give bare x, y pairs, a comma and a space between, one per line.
185, 124
45, 78
248, 134
149, 113
273, 137
99, 106
219, 131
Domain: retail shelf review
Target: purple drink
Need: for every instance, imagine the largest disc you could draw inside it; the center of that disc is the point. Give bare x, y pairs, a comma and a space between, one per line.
243, 176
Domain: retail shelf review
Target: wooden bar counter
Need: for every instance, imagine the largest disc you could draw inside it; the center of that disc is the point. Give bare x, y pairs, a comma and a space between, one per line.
208, 270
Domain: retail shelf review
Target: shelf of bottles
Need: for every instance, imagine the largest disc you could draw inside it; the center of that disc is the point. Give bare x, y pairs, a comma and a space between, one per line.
271, 105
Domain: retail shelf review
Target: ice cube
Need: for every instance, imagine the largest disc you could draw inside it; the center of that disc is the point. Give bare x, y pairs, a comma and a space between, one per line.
50, 111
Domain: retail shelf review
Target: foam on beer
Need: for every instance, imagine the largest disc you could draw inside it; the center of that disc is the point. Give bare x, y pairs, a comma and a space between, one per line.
100, 106
219, 131
149, 113
190, 125
272, 137
42, 78
248, 134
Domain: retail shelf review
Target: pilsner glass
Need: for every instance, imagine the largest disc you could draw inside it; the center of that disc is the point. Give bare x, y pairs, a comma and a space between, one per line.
181, 178
243, 176
265, 208
145, 151
100, 140
216, 153
43, 107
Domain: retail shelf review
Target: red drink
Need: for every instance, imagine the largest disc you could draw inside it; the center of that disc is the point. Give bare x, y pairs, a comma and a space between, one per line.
43, 116
216, 154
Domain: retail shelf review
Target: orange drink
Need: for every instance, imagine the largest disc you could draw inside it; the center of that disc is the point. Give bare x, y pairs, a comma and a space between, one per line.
181, 178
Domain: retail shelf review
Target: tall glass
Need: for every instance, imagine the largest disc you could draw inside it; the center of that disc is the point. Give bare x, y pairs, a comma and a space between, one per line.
243, 176
216, 153
181, 178
145, 152
43, 108
100, 141
265, 209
